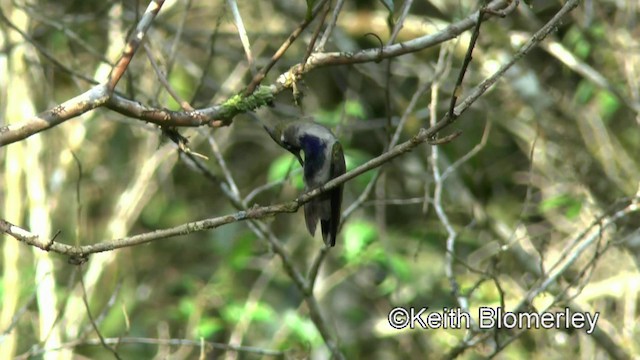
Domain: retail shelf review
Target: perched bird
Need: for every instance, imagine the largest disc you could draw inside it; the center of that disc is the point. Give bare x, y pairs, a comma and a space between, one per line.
323, 161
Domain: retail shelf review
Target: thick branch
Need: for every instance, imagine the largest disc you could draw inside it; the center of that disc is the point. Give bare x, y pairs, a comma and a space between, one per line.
78, 253
221, 114
133, 43
89, 100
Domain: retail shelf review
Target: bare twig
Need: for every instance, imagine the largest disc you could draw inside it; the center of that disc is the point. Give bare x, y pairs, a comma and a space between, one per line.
457, 90
283, 48
45, 53
165, 83
133, 43
92, 321
316, 32
244, 38
330, 26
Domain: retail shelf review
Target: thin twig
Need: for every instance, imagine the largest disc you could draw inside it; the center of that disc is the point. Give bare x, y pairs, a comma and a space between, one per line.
165, 83
172, 342
316, 33
133, 43
257, 79
242, 31
91, 320
457, 90
330, 26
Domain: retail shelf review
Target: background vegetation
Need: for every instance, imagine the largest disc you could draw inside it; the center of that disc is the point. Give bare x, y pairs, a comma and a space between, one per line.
532, 207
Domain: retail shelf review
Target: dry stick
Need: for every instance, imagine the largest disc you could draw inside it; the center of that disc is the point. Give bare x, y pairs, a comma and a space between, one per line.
244, 38
178, 38
315, 267
92, 321
70, 34
394, 34
172, 133
262, 231
174, 47
380, 180
394, 140
283, 48
133, 44
457, 90
312, 275
210, 52
18, 314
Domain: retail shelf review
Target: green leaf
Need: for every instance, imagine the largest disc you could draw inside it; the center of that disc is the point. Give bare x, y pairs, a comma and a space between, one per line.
400, 267
233, 313
207, 327
388, 286
283, 166
608, 104
310, 4
329, 117
354, 108
355, 158
358, 234
183, 85
302, 328
570, 204
573, 210
598, 31
584, 92
349, 107
577, 43
186, 307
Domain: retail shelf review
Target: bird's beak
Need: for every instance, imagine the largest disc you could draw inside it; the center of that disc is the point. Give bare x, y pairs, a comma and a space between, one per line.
297, 154
271, 133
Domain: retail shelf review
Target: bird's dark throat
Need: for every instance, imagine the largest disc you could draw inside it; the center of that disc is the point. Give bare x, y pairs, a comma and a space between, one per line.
314, 154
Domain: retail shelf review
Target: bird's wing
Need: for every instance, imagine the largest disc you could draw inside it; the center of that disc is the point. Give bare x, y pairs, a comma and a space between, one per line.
338, 167
311, 215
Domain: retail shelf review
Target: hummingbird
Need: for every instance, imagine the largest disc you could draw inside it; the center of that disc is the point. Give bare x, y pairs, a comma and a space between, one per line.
323, 161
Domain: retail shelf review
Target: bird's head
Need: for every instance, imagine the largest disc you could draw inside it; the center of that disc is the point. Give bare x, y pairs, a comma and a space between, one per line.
285, 134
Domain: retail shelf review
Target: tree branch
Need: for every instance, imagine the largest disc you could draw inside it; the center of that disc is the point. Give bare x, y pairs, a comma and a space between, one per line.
221, 114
